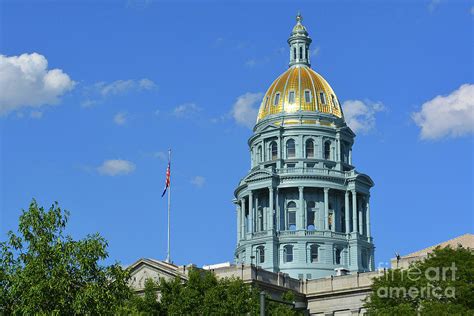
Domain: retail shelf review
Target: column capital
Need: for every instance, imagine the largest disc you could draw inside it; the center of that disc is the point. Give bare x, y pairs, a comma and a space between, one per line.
354, 191
347, 193
301, 188
250, 192
326, 190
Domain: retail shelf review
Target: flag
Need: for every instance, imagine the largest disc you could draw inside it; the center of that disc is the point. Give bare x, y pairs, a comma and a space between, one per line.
167, 181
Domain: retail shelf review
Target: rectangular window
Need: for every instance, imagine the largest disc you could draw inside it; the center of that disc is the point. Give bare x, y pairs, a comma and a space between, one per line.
308, 276
291, 220
291, 97
322, 96
277, 99
288, 253
307, 96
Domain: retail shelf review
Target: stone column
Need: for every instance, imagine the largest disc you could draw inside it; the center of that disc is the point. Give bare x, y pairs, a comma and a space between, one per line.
270, 211
238, 211
361, 218
326, 208
367, 216
242, 230
347, 213
256, 215
278, 210
354, 211
251, 214
300, 217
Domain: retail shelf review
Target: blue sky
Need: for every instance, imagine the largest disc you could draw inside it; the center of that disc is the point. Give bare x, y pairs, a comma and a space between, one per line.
122, 81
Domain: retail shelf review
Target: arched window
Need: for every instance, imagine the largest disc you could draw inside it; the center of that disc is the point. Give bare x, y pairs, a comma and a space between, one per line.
274, 150
288, 253
259, 154
276, 100
301, 52
260, 254
291, 210
309, 148
310, 215
327, 150
337, 255
290, 148
294, 52
313, 253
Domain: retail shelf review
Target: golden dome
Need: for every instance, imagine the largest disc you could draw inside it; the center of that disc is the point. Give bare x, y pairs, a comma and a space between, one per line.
299, 89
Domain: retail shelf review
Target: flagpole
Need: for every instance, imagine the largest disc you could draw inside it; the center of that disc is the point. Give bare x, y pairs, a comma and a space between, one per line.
169, 203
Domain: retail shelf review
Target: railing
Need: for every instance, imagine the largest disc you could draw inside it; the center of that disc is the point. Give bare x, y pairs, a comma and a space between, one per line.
318, 171
316, 233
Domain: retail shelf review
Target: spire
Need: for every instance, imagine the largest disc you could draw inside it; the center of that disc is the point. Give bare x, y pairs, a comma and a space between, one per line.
299, 42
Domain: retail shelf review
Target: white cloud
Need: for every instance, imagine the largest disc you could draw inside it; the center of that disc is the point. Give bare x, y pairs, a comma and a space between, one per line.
25, 81
161, 155
447, 116
116, 167
360, 115
36, 114
186, 110
98, 92
118, 87
198, 181
245, 110
120, 118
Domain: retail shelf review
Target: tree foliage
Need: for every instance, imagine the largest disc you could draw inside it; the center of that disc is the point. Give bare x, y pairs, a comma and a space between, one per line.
442, 284
204, 294
42, 270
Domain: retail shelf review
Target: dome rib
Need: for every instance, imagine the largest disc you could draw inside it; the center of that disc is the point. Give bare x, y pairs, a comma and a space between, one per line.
299, 78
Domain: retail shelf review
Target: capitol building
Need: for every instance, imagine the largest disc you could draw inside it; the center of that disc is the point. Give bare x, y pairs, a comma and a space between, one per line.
303, 209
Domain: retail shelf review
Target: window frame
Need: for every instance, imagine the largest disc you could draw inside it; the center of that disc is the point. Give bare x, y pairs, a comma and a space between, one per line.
314, 255
288, 253
291, 96
311, 141
308, 92
276, 99
322, 97
288, 156
273, 150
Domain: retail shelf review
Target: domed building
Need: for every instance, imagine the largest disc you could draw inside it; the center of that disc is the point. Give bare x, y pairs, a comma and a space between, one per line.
303, 209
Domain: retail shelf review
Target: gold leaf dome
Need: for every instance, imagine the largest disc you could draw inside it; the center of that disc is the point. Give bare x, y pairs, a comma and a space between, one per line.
299, 88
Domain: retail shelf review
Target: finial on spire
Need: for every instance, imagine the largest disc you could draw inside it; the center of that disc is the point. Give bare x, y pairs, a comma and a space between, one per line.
299, 18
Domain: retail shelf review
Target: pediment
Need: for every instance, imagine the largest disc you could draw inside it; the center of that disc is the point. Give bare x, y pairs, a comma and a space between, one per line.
257, 175
270, 127
145, 269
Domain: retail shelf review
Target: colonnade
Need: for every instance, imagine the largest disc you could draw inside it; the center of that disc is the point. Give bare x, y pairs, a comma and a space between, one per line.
271, 217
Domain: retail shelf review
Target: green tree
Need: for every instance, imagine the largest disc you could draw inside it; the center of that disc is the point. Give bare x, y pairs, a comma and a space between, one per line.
442, 284
42, 270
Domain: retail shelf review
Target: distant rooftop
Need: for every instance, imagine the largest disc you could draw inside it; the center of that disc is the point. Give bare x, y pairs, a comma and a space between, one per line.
466, 240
